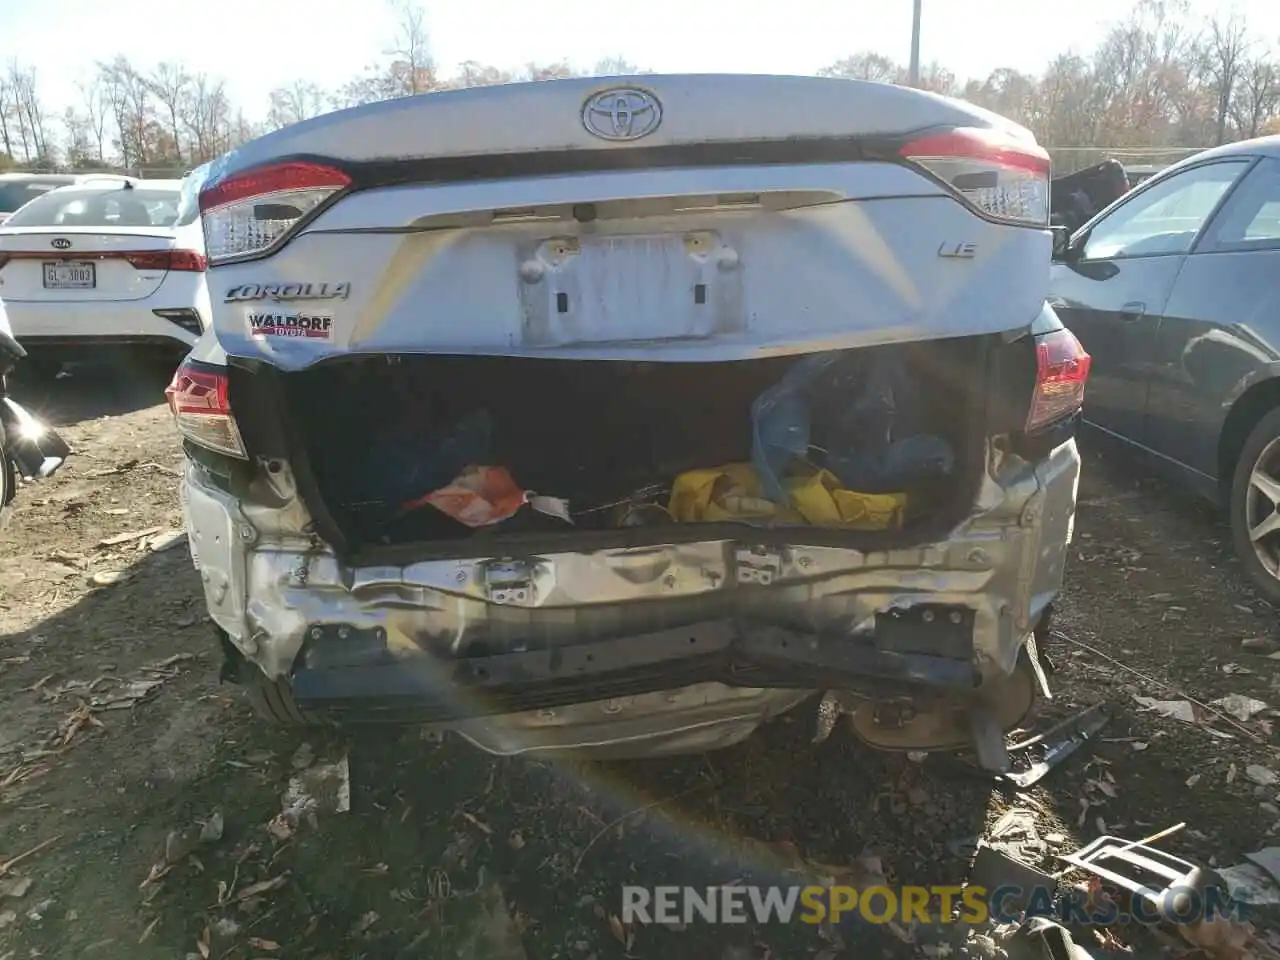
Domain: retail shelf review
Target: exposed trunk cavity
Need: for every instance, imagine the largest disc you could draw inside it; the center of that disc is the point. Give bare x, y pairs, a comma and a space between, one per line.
612, 437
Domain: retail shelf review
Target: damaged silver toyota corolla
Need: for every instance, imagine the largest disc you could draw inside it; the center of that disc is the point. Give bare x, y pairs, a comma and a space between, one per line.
580, 416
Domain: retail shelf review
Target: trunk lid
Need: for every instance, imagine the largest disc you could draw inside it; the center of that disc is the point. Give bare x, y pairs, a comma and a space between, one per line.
675, 218
66, 264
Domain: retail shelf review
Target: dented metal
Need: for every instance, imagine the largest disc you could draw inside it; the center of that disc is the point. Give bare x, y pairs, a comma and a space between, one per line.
266, 591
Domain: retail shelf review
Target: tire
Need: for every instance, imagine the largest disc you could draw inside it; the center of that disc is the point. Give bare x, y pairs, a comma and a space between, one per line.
8, 481
1248, 505
273, 701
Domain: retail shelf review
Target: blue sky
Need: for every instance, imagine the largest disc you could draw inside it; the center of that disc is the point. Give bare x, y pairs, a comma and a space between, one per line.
258, 44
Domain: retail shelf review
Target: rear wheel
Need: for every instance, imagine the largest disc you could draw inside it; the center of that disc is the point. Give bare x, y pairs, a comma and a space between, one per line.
273, 700
1255, 506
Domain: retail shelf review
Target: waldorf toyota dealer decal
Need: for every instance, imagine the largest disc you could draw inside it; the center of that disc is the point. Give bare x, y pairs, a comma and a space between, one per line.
288, 291
309, 325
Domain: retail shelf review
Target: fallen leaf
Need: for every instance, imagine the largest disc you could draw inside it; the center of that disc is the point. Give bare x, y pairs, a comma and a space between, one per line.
150, 928
262, 886
14, 887
167, 541
367, 920
258, 943
211, 831
120, 538
1104, 787
516, 840
107, 578
1183, 710
202, 944
616, 928
477, 823
1140, 745
1239, 706
1262, 776
1193, 779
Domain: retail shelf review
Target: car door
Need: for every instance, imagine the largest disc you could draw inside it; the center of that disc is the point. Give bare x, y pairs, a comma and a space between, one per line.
1112, 288
1221, 326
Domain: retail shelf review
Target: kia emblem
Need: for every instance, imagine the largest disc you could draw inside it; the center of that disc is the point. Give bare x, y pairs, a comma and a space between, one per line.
61, 243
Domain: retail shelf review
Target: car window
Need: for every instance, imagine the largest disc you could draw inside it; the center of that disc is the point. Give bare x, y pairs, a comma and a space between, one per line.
1164, 218
13, 195
1251, 218
109, 207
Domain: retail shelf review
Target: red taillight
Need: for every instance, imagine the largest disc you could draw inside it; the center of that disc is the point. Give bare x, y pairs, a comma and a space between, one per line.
198, 399
184, 260
1062, 369
1004, 176
249, 213
276, 178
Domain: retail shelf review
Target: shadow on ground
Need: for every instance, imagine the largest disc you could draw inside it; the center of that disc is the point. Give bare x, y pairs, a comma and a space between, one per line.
85, 391
441, 842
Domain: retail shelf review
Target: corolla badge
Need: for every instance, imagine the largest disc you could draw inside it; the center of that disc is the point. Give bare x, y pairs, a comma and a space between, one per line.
621, 113
60, 243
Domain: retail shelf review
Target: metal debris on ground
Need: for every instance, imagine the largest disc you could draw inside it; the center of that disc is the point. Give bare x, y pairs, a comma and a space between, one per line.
319, 788
1249, 884
1070, 734
1127, 864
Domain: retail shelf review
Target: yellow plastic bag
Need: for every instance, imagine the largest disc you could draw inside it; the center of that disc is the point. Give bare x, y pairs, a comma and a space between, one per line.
730, 492
824, 503
733, 492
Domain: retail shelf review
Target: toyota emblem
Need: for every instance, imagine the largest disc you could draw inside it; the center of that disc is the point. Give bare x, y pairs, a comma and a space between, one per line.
622, 113
61, 243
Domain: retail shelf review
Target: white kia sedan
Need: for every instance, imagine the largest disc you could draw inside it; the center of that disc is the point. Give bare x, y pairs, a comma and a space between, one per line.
104, 265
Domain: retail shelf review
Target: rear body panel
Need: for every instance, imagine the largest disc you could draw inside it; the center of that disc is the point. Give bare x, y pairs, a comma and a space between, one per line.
120, 306
762, 217
858, 254
34, 250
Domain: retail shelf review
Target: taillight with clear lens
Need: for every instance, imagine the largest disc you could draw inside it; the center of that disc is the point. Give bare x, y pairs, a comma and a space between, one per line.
198, 399
1062, 370
253, 211
1005, 177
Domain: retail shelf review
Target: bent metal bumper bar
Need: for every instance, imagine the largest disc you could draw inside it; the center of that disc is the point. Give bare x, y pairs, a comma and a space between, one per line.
451, 639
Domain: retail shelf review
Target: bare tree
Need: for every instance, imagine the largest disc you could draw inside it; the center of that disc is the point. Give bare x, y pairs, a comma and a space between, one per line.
300, 100
132, 104
169, 83
94, 101
473, 74
412, 70
866, 66
560, 70
1257, 96
1223, 53
7, 117
79, 142
616, 67
206, 116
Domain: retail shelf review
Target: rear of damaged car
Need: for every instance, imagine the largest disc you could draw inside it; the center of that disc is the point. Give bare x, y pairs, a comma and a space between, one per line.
583, 417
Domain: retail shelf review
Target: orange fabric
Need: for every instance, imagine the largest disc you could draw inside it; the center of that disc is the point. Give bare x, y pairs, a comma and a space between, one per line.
478, 496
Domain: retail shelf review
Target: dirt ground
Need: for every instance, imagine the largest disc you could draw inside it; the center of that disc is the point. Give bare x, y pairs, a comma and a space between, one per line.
118, 746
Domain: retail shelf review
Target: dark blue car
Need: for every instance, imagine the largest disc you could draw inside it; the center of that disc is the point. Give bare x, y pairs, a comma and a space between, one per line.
1175, 291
